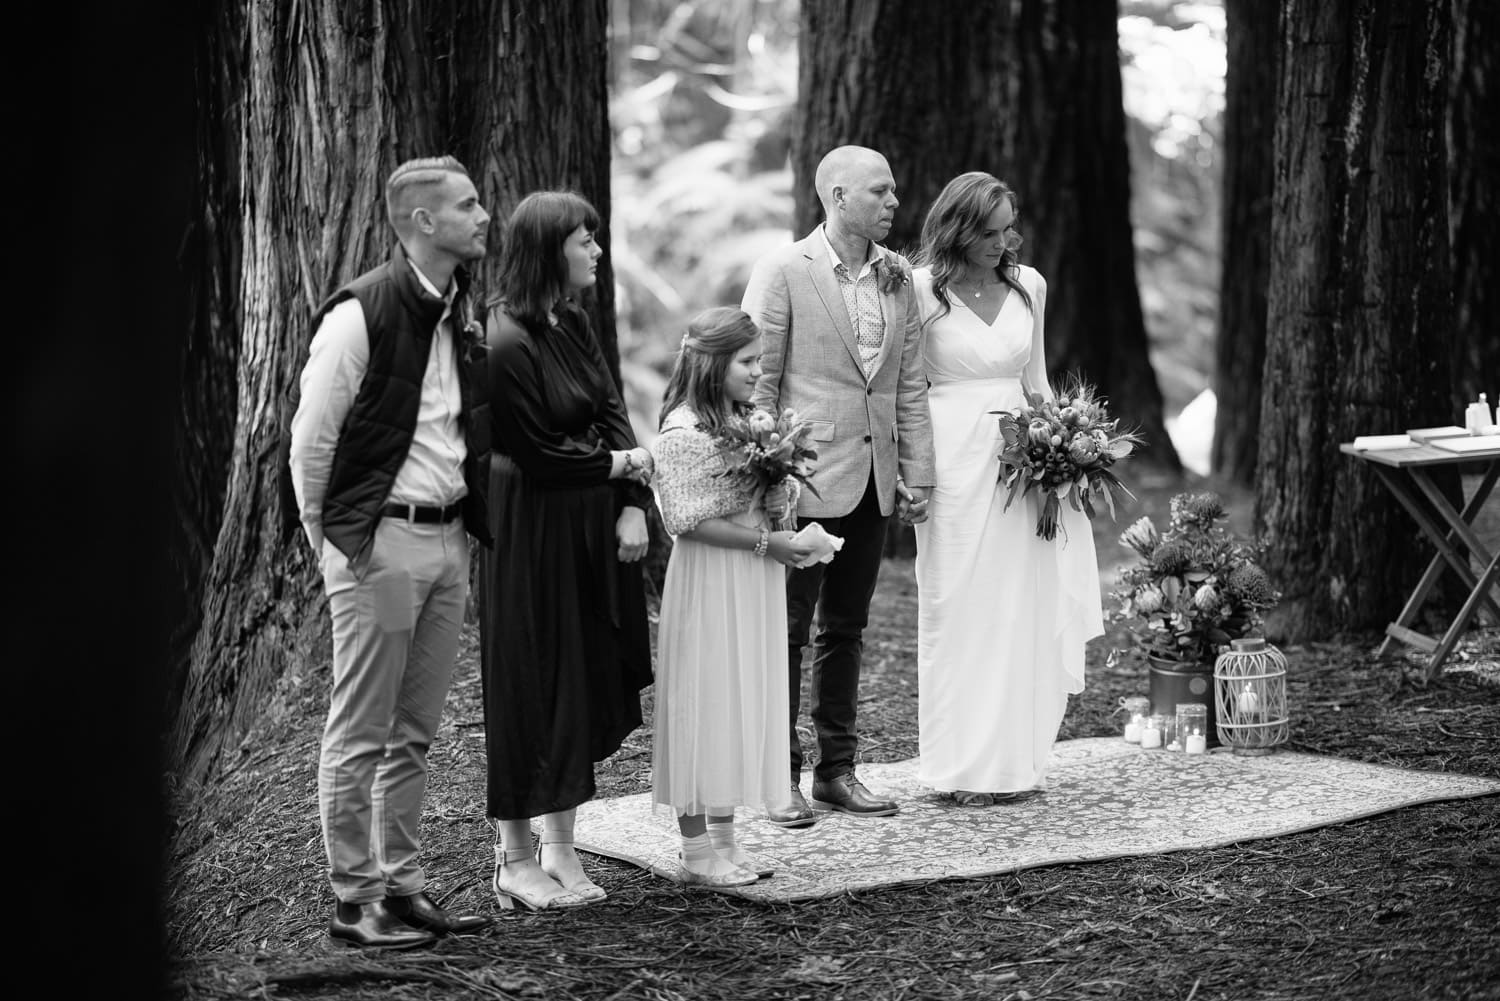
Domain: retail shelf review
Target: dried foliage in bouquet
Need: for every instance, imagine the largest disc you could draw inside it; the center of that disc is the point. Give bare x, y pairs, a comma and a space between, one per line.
1063, 450
1195, 588
767, 451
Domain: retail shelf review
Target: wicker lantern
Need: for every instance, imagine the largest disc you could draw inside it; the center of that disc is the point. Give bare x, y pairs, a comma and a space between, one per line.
1250, 696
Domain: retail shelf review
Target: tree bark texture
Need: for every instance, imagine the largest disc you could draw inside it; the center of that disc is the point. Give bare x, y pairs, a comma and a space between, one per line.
1028, 91
535, 109
1359, 317
203, 425
1070, 164
300, 133
1249, 172
1474, 197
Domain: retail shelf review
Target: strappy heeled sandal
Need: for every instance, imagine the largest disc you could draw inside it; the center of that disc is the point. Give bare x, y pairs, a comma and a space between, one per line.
507, 898
586, 889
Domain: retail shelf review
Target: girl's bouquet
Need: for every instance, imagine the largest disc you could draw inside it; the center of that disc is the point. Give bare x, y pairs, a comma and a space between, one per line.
768, 450
1063, 450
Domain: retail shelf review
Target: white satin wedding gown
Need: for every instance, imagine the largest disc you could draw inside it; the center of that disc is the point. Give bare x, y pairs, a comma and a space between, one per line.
1003, 615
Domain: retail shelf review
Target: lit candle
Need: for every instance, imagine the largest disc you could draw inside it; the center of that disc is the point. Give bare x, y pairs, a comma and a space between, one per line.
1133, 732
1196, 743
1249, 702
1150, 736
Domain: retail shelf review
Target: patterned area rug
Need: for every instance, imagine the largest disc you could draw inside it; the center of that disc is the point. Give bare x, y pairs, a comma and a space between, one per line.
1104, 799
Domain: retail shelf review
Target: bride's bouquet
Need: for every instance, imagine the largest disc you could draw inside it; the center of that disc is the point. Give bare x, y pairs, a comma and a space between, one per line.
767, 451
1063, 450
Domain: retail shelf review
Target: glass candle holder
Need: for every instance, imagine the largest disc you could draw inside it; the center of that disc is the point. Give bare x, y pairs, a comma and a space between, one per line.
1192, 727
1152, 731
1137, 708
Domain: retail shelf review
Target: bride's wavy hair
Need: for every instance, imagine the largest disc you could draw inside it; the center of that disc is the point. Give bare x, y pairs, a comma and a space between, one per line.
955, 223
713, 338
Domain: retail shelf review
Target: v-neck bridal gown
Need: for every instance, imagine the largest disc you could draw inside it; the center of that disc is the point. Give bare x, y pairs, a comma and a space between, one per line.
1003, 615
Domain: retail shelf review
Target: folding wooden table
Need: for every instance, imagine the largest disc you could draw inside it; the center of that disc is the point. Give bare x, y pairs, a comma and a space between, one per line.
1405, 471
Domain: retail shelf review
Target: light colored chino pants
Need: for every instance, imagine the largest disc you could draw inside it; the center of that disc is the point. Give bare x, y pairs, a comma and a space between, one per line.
395, 637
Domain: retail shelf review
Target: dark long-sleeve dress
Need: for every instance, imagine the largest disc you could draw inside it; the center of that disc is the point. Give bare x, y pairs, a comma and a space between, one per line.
566, 648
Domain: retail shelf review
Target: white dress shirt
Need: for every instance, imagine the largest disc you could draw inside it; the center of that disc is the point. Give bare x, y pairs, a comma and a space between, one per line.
432, 474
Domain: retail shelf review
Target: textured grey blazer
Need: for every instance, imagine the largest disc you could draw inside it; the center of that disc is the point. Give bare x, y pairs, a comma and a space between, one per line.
811, 364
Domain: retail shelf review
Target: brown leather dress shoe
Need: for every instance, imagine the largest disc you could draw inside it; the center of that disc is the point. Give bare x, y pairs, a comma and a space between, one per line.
373, 926
419, 911
848, 794
796, 813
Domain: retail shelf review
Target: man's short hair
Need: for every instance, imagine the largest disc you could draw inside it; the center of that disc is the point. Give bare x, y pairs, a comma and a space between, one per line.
409, 181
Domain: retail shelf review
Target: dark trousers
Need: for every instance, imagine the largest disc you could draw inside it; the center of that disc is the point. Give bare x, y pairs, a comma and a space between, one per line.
840, 591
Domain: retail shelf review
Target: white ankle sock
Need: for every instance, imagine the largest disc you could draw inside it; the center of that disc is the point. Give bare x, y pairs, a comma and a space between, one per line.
721, 836
699, 856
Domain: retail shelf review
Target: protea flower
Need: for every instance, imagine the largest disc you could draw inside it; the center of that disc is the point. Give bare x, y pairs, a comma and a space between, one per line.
1083, 448
1142, 537
1171, 557
1206, 597
1040, 432
761, 422
1149, 599
1197, 509
1250, 584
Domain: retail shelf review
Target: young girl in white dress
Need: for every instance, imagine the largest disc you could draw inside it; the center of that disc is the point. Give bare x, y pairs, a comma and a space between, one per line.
720, 734
1002, 615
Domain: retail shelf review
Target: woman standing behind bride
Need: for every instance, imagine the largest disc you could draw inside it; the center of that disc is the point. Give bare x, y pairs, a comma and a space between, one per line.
1003, 615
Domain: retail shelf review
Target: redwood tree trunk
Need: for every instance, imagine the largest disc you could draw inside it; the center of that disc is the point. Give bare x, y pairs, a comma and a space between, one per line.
542, 118
1474, 192
328, 99
1359, 317
1070, 164
1024, 90
1249, 133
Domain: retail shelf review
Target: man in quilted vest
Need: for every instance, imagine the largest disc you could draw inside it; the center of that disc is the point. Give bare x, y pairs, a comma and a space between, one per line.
386, 447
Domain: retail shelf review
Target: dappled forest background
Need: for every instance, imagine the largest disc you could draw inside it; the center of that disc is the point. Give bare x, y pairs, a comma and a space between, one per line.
703, 101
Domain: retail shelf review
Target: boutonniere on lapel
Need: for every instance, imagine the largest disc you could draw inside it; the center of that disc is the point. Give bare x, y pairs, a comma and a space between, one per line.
470, 330
890, 275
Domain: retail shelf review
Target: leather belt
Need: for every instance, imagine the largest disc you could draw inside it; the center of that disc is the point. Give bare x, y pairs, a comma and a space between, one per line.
423, 515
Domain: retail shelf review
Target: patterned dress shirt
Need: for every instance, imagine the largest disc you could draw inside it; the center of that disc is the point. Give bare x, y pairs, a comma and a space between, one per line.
862, 300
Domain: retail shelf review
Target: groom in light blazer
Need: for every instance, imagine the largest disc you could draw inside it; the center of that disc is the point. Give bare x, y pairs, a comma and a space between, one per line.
841, 347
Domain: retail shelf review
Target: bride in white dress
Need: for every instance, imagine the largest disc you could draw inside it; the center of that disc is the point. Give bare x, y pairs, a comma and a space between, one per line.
1003, 615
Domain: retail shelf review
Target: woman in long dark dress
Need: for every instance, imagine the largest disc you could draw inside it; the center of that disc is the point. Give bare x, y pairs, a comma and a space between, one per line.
566, 648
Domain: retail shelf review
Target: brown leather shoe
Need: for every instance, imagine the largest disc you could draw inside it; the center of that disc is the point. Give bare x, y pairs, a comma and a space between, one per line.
373, 926
419, 911
796, 813
848, 794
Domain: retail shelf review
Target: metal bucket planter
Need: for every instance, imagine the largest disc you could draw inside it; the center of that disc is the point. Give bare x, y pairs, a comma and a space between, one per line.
1176, 681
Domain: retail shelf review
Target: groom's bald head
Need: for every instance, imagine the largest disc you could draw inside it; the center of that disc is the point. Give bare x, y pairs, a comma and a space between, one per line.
845, 167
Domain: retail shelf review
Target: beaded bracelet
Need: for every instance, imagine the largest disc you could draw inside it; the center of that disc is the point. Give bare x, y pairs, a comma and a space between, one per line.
764, 543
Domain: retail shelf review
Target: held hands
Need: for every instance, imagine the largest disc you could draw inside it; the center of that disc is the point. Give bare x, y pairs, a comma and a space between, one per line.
630, 531
911, 503
786, 552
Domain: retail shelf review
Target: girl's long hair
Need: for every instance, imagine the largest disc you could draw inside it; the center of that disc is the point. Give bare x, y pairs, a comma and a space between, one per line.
533, 271
713, 338
955, 223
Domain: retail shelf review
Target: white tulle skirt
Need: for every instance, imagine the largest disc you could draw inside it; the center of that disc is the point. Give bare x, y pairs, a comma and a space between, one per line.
721, 728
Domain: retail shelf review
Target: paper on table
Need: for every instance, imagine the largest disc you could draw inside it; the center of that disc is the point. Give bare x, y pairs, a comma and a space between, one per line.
1433, 434
824, 545
1472, 443
1378, 442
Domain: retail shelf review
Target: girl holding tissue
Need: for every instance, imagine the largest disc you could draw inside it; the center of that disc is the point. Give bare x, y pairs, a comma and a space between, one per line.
721, 712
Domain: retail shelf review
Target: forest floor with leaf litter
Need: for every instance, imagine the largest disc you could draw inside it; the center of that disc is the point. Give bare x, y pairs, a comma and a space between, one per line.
1401, 905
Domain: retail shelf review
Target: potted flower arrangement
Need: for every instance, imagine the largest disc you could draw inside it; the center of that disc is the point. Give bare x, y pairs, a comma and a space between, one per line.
1194, 591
